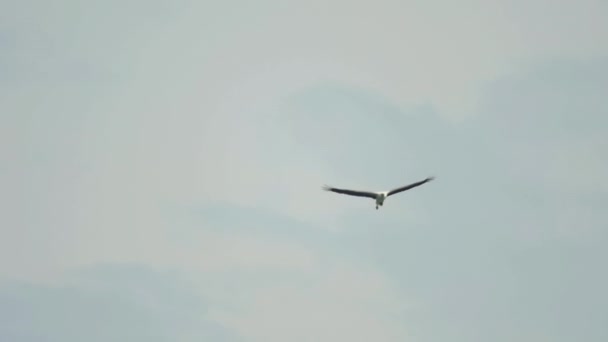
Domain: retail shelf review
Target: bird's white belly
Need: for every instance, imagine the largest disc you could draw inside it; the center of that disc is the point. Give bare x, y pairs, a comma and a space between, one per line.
380, 199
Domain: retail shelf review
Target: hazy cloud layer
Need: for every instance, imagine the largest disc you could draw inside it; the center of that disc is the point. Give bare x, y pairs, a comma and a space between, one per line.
107, 303
184, 144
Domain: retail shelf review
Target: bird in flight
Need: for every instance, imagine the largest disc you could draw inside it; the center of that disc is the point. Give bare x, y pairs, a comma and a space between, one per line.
379, 196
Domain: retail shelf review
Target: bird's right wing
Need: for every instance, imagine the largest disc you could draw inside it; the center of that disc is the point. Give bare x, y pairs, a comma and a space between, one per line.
351, 192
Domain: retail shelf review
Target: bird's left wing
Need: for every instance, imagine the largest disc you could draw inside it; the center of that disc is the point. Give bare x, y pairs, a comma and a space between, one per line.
351, 192
409, 186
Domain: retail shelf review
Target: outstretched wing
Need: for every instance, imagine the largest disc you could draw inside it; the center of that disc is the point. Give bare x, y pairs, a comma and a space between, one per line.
351, 192
409, 186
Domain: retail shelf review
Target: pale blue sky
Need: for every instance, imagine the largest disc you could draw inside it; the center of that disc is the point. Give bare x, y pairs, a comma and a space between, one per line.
163, 163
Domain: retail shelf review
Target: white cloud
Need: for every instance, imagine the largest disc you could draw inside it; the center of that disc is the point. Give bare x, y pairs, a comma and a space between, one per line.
112, 302
115, 114
338, 301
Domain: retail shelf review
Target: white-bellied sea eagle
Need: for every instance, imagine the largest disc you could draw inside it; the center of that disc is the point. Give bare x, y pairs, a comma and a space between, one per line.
378, 196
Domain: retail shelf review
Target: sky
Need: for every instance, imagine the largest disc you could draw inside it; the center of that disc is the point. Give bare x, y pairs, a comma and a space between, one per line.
162, 164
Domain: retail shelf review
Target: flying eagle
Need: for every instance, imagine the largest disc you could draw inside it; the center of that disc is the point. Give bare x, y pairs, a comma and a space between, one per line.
378, 196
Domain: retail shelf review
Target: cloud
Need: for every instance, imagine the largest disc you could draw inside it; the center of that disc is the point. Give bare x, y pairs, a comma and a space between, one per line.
513, 244
220, 286
550, 120
113, 302
340, 302
195, 137
271, 277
